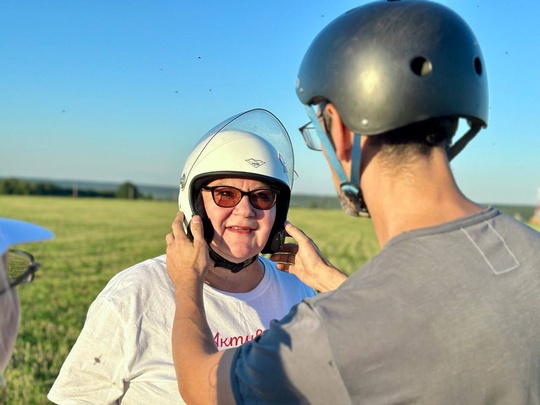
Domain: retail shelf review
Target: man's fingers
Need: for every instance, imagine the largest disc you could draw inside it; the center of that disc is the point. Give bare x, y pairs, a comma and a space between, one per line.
177, 225
294, 232
178, 232
196, 227
288, 248
282, 267
285, 258
286, 254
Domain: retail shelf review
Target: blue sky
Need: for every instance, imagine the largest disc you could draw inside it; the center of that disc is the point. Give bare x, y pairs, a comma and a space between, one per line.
116, 90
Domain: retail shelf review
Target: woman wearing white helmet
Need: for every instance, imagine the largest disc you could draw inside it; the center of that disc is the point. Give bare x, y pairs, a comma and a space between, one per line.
238, 178
253, 147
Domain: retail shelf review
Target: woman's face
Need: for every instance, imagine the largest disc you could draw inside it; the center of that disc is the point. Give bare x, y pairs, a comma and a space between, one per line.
240, 232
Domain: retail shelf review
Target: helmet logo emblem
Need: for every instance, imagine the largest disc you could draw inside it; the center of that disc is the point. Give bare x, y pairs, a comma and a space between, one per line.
255, 162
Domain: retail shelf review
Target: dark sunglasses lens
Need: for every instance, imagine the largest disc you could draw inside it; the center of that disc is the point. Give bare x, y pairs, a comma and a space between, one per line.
226, 196
263, 199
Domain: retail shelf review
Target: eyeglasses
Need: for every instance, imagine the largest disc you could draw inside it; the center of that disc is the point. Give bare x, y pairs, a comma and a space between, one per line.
308, 131
311, 138
228, 197
21, 268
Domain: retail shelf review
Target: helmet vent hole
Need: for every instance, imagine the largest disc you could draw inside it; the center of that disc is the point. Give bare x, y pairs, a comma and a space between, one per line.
421, 66
478, 66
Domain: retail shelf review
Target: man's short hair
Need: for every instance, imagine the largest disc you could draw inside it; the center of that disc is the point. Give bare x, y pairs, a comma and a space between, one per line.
417, 139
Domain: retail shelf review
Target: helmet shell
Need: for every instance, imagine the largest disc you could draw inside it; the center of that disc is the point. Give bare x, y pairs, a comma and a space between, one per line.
252, 145
389, 64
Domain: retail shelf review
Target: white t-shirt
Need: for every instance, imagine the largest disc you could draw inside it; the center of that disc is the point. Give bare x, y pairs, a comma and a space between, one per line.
123, 354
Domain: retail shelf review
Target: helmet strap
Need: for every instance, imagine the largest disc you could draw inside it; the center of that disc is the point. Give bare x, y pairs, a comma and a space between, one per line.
474, 128
220, 261
350, 188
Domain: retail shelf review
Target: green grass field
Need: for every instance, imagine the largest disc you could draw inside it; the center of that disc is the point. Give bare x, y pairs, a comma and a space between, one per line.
95, 239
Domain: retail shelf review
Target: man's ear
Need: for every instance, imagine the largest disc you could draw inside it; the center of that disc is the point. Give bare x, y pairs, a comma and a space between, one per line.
341, 135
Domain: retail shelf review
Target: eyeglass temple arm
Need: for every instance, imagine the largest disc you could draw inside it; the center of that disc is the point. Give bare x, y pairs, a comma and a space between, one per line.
331, 153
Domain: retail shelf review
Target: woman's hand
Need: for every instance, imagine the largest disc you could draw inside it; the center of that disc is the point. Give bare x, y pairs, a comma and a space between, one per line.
185, 258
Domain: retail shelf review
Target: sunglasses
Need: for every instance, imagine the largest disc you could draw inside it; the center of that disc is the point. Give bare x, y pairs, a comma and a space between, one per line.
228, 197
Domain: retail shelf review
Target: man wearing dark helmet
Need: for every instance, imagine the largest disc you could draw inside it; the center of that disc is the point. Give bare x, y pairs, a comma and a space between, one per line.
449, 311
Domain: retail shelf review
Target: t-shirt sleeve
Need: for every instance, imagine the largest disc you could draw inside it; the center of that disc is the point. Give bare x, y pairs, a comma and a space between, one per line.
93, 371
291, 362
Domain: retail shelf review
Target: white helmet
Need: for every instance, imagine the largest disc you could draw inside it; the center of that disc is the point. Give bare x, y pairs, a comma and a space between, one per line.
252, 145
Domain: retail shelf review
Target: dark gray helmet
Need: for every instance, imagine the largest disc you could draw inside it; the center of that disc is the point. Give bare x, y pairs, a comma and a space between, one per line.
389, 64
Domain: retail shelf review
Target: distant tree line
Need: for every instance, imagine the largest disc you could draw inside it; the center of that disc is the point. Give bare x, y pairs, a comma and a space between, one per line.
15, 186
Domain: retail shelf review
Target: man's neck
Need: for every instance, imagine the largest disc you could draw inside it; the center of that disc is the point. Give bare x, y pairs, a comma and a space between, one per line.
422, 195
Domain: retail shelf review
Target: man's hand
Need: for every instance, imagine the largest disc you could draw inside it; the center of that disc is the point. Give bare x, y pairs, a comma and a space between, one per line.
306, 261
202, 372
186, 259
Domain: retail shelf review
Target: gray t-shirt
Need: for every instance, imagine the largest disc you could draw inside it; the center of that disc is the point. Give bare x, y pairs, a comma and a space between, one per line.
442, 315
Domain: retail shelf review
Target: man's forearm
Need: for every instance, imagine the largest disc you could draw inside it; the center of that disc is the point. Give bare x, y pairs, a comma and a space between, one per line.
196, 357
330, 279
201, 370
191, 333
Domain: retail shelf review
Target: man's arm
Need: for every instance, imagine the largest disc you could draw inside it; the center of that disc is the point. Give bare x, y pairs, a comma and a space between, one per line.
306, 261
203, 372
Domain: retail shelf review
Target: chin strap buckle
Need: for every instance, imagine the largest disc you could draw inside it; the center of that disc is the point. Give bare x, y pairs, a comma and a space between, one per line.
233, 267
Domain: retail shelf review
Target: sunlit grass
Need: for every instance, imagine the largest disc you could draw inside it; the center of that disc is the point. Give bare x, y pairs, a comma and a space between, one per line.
97, 238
